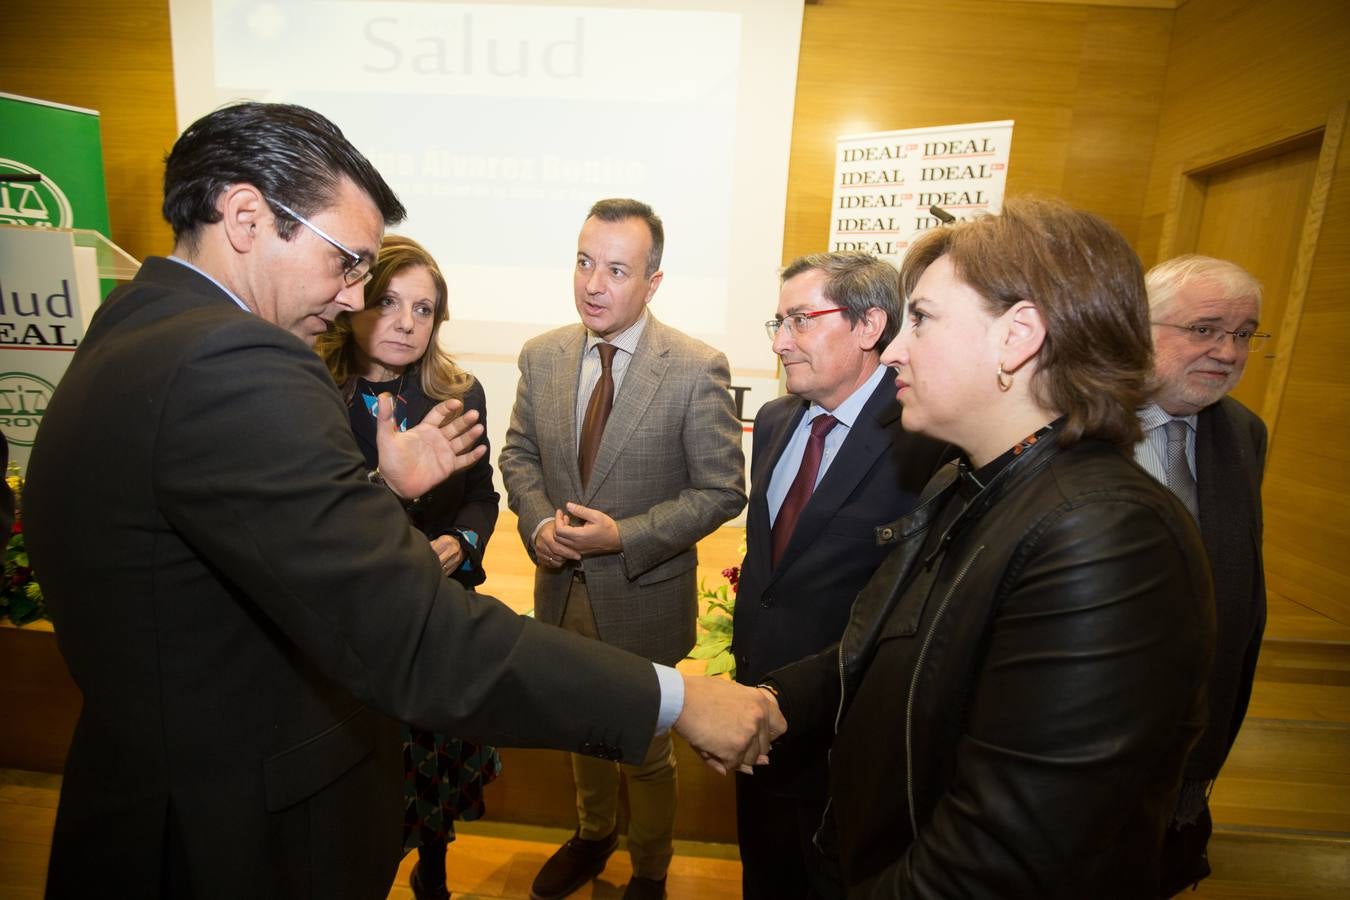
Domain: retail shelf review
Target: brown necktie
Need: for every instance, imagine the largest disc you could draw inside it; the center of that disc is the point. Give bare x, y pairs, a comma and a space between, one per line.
597, 413
802, 486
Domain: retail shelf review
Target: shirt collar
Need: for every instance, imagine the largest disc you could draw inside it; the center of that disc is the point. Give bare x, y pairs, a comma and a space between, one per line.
229, 293
847, 412
1154, 416
626, 340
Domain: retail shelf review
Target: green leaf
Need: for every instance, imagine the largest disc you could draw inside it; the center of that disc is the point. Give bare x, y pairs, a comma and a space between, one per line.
722, 663
729, 607
710, 648
22, 610
716, 626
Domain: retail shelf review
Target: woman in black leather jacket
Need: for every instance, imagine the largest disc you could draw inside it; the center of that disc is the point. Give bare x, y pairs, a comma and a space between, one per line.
1020, 682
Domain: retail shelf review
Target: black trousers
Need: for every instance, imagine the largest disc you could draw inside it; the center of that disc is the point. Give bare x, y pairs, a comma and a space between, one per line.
779, 860
1185, 860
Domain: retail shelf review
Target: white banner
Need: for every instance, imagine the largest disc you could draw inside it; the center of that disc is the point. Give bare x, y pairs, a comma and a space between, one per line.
40, 327
885, 183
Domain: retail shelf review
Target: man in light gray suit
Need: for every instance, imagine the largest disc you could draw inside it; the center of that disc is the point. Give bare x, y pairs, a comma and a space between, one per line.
623, 451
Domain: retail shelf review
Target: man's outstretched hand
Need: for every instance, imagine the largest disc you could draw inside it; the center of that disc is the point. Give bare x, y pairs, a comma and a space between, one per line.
415, 461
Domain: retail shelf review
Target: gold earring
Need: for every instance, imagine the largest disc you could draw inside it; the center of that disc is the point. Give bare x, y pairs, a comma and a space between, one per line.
1004, 386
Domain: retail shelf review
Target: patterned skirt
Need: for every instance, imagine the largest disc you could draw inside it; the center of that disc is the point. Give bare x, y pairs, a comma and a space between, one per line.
443, 780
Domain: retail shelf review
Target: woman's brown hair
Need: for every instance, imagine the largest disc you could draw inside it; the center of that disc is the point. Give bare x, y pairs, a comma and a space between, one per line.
1088, 285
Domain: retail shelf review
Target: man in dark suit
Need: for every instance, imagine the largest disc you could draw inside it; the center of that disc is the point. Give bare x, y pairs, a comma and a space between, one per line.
241, 604
613, 528
1210, 450
812, 533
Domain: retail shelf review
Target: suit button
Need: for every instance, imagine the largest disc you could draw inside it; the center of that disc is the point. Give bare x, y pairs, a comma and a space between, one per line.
886, 534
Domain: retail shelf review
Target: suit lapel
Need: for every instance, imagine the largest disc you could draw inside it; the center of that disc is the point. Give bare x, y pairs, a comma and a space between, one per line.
776, 435
1227, 507
866, 440
646, 371
561, 393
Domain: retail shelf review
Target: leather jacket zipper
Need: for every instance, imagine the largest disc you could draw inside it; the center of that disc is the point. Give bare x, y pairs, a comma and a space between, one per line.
914, 685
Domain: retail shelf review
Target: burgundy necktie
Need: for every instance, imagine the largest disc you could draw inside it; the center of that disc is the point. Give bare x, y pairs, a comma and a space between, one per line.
597, 413
802, 486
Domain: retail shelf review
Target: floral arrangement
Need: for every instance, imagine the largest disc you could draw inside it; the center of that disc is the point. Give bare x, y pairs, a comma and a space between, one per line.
20, 595
714, 638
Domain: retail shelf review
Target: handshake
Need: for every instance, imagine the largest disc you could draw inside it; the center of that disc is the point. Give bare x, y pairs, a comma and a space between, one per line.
730, 725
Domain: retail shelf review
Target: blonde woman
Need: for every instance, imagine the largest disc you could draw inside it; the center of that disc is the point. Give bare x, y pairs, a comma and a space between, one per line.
390, 346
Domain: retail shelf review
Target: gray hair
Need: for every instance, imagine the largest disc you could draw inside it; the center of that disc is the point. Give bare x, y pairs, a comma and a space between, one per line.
1167, 278
858, 282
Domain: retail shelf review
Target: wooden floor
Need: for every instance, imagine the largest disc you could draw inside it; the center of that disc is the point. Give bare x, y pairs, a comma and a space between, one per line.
495, 860
1282, 805
489, 859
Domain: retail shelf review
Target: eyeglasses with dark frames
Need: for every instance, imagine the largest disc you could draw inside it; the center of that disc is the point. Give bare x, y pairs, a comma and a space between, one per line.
1210, 335
797, 323
355, 268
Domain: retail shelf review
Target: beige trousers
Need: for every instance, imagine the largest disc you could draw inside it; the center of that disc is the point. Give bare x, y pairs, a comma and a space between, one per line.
652, 783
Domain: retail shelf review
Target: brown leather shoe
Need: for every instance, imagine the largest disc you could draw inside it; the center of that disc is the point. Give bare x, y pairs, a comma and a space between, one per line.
645, 889
575, 863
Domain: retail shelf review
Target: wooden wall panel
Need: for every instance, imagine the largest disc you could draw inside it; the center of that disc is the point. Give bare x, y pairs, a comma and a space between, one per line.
113, 57
1243, 75
1084, 84
1307, 491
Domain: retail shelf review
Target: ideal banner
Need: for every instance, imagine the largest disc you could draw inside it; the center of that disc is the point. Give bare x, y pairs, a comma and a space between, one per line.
51, 177
886, 182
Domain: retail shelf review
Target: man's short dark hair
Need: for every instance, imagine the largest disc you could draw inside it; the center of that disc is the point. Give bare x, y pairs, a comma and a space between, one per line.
857, 282
617, 209
290, 153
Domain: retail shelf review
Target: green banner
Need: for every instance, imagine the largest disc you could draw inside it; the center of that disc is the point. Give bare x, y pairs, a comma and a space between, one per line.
62, 144
51, 177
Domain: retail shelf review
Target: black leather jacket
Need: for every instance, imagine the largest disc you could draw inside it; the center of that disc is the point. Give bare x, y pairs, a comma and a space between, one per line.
1018, 685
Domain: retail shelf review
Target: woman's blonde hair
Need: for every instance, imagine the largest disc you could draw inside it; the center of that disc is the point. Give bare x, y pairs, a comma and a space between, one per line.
441, 378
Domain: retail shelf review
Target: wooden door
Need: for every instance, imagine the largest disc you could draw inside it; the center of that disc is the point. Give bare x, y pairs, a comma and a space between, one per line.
1252, 212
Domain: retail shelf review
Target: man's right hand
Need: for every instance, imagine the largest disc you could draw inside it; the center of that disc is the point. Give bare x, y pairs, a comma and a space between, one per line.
729, 724
548, 552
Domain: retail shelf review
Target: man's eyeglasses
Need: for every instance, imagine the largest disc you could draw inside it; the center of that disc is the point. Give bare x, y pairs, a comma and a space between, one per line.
797, 323
355, 267
1210, 335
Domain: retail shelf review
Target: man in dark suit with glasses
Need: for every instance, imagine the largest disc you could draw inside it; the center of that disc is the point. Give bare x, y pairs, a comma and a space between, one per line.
830, 466
1211, 451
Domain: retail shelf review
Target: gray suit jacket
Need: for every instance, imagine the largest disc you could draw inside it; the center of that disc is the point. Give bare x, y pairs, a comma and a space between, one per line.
669, 471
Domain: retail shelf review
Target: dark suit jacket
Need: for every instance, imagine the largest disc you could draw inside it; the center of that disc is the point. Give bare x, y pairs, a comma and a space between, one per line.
801, 606
669, 471
1230, 456
235, 601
